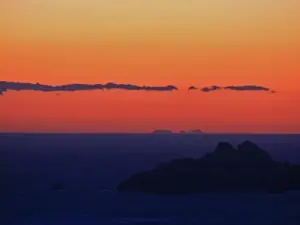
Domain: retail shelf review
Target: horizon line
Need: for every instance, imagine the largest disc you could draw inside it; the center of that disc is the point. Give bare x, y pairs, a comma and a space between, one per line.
147, 133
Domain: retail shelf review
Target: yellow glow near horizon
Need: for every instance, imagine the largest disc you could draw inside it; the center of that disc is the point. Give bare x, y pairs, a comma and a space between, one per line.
89, 20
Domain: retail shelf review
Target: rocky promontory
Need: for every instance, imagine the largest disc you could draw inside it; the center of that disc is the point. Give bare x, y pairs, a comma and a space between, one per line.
245, 168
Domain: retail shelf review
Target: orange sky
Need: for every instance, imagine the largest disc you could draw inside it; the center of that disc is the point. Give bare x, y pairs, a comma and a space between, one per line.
201, 43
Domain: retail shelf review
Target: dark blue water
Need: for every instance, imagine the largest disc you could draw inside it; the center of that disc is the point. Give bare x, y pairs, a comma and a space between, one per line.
30, 164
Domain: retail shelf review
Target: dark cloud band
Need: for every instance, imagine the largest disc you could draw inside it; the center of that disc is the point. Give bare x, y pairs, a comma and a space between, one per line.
238, 88
247, 88
211, 88
192, 88
18, 86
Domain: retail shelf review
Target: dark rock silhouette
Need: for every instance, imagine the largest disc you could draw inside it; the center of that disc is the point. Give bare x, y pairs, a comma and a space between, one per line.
226, 169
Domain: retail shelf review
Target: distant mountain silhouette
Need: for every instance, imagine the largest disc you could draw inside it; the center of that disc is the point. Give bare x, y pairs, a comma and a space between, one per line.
226, 169
162, 132
197, 131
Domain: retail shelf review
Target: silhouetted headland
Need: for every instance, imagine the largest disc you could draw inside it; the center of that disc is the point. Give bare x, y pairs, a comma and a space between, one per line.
247, 168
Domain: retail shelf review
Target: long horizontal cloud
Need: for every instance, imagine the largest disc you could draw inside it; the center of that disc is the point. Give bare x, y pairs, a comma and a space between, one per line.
238, 88
211, 88
247, 88
18, 86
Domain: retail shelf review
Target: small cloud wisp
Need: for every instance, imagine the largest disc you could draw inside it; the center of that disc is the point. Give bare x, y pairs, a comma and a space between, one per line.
192, 88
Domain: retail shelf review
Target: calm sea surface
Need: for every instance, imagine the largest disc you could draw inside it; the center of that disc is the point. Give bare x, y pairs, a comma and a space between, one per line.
91, 165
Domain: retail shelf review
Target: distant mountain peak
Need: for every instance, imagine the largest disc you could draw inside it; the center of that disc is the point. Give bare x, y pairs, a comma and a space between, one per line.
225, 147
252, 151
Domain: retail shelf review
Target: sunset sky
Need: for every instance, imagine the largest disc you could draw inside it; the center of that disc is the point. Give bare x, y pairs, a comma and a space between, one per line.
153, 43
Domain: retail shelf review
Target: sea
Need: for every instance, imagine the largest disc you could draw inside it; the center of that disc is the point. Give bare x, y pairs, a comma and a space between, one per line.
89, 166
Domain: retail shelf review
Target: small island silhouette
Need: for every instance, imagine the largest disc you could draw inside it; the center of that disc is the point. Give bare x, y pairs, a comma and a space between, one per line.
247, 168
197, 131
165, 131
162, 131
